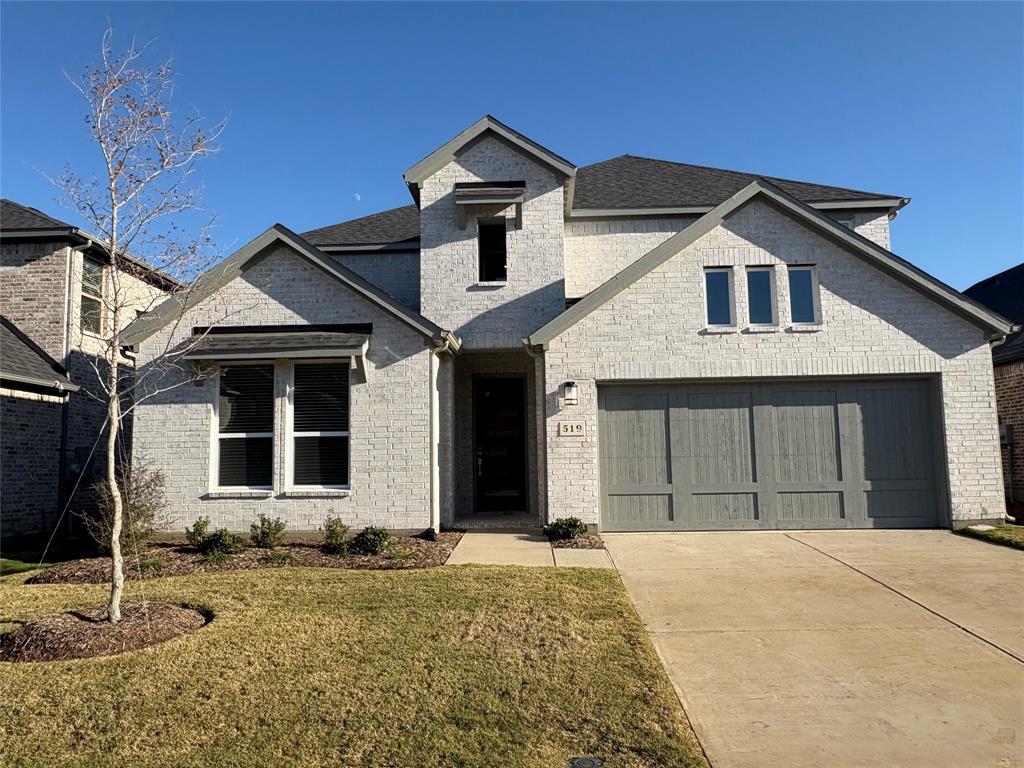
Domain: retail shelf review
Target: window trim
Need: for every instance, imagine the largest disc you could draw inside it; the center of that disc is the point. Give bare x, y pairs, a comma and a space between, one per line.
82, 295
290, 486
773, 296
815, 295
495, 221
216, 436
732, 299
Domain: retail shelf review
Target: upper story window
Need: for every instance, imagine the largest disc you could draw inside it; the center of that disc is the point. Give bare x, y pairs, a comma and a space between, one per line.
719, 294
761, 296
91, 308
493, 250
245, 427
804, 307
319, 439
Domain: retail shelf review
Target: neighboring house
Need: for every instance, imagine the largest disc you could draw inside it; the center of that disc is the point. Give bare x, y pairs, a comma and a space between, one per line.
643, 344
1004, 293
52, 282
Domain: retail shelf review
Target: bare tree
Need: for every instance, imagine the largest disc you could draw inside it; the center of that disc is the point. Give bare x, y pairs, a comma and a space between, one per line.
136, 207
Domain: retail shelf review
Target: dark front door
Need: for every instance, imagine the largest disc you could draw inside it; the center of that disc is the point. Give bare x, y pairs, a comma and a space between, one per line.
499, 419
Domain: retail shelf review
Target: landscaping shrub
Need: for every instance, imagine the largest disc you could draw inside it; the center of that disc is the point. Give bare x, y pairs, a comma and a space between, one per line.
565, 528
142, 496
370, 541
221, 542
429, 535
195, 535
280, 558
335, 536
267, 533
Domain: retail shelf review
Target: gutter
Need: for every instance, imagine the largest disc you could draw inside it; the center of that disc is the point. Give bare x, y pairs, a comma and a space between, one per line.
61, 387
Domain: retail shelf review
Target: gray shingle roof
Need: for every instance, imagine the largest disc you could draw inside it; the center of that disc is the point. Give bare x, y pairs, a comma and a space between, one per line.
17, 216
641, 182
392, 226
626, 182
22, 362
1004, 293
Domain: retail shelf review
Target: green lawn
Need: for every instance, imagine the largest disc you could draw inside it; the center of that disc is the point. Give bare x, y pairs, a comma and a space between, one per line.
466, 666
10, 565
1008, 535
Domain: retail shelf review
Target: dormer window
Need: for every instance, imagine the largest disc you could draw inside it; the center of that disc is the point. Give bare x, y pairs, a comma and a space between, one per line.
493, 250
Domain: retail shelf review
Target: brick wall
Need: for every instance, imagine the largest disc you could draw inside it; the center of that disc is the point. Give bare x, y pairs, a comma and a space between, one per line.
1009, 382
30, 468
396, 273
871, 325
390, 412
450, 294
33, 288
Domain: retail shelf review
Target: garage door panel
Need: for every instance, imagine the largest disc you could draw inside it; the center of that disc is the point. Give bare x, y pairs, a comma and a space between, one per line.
720, 441
833, 454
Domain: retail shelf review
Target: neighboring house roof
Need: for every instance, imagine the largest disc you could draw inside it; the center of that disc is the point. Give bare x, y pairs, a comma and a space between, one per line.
394, 226
859, 245
250, 255
630, 182
439, 158
21, 222
1004, 293
23, 364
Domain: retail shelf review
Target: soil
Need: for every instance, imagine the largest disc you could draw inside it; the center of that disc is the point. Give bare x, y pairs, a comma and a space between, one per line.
83, 634
586, 541
160, 560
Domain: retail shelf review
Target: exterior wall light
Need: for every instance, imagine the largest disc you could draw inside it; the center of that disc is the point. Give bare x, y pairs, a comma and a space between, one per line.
570, 393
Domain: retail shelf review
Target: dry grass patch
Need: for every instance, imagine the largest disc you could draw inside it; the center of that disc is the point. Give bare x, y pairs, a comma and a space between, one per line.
467, 666
1008, 535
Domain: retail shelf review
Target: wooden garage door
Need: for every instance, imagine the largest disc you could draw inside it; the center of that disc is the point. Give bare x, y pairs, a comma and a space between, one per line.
831, 454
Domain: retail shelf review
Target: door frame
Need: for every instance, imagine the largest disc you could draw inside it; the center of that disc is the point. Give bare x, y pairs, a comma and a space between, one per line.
527, 504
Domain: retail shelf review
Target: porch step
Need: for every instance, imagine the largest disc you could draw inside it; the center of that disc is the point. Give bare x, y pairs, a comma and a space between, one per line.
498, 522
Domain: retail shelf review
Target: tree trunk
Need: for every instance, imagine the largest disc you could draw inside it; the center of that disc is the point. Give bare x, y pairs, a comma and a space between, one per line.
117, 561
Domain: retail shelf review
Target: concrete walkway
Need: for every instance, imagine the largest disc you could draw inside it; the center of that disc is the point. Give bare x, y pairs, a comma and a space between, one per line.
837, 648
488, 547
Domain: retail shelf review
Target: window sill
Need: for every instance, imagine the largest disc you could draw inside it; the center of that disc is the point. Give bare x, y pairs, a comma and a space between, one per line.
761, 329
488, 285
804, 328
315, 493
240, 493
719, 330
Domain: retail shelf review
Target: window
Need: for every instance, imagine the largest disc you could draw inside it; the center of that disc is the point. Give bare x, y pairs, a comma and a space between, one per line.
319, 424
803, 296
761, 295
245, 427
493, 253
718, 286
91, 310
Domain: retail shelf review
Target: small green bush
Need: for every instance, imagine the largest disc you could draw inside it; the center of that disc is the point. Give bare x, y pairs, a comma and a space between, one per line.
280, 558
267, 533
335, 536
565, 528
214, 558
222, 542
151, 565
429, 535
370, 541
195, 535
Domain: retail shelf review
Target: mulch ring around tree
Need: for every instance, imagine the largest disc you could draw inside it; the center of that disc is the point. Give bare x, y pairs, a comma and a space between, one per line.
160, 560
83, 634
586, 541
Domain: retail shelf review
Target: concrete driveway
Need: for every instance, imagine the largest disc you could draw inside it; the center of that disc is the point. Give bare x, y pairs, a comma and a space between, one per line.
838, 648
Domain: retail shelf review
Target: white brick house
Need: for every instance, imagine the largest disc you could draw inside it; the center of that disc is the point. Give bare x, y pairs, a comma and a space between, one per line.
642, 344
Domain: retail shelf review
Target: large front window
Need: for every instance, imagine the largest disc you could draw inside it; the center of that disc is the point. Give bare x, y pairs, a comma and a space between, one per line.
245, 429
319, 424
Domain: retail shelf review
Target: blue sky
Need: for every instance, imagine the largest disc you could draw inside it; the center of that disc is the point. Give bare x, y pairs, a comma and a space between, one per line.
329, 103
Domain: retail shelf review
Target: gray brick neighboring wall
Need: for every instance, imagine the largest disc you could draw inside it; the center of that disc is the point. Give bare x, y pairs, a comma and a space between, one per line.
390, 428
33, 287
872, 324
450, 294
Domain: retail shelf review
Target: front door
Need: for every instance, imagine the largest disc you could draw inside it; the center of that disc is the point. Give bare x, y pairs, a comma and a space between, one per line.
499, 422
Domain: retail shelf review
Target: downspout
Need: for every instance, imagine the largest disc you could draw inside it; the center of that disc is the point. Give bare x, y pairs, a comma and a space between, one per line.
63, 463
62, 458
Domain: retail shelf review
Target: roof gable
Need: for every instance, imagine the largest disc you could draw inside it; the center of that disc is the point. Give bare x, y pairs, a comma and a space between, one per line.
439, 158
860, 246
25, 363
250, 255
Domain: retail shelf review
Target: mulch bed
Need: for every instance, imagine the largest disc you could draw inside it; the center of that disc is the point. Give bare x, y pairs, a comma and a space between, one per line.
160, 560
586, 541
83, 634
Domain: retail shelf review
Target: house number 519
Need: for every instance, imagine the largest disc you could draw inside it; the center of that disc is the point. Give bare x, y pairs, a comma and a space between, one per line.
571, 428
